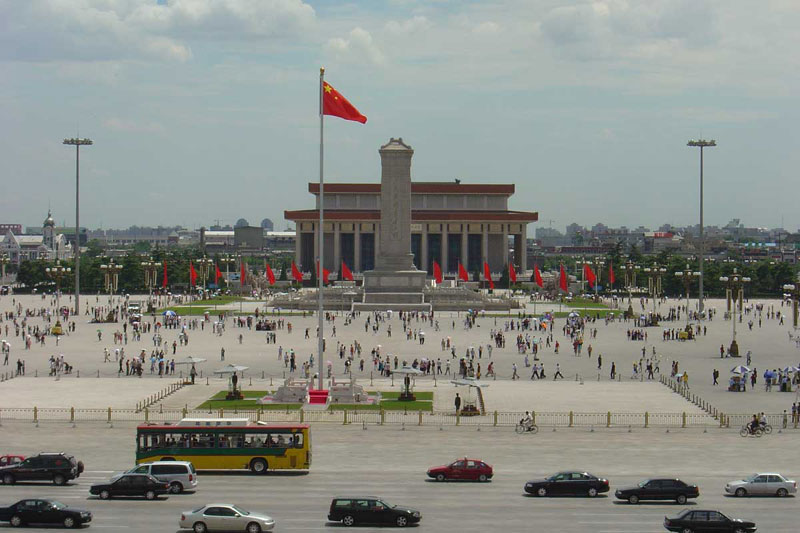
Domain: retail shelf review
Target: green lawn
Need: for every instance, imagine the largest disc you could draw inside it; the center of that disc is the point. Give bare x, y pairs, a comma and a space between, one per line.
586, 303
424, 395
589, 312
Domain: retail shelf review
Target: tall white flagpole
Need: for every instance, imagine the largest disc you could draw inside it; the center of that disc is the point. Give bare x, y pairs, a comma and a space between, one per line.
321, 239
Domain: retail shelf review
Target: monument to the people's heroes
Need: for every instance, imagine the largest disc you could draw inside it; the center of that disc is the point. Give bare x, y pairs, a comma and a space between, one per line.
395, 283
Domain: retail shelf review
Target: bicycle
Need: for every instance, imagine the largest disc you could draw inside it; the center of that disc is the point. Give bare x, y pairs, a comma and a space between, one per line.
522, 428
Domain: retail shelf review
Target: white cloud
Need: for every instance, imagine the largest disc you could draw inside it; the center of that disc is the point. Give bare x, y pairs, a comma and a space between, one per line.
357, 47
412, 25
486, 28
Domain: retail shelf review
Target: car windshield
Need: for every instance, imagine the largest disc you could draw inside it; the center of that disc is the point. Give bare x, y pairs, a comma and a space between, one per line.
241, 511
643, 483
751, 478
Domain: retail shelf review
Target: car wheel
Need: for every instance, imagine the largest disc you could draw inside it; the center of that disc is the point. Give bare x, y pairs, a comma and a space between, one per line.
541, 491
8, 479
253, 527
59, 479
401, 521
740, 492
175, 488
69, 522
105, 495
482, 478
439, 477
348, 520
16, 521
681, 499
781, 493
258, 466
592, 492
150, 495
199, 527
634, 499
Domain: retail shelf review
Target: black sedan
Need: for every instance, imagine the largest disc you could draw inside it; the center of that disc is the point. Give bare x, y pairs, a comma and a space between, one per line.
37, 511
707, 521
658, 489
131, 485
568, 484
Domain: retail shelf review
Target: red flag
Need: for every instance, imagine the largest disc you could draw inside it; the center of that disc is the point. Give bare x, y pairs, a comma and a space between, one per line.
346, 274
242, 273
337, 105
325, 274
488, 275
562, 279
537, 276
217, 273
164, 278
437, 272
462, 273
588, 273
192, 274
611, 274
512, 274
296, 274
270, 276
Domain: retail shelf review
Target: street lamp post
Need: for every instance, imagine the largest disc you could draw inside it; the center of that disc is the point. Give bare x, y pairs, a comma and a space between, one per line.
795, 292
227, 260
150, 277
598, 265
734, 294
686, 276
655, 274
203, 268
701, 143
77, 143
111, 275
56, 272
630, 282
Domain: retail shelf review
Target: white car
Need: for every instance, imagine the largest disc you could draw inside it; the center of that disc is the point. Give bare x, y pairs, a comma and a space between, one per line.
767, 484
225, 517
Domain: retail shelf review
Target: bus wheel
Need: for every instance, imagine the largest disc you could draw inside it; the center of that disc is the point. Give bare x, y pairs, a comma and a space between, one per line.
258, 466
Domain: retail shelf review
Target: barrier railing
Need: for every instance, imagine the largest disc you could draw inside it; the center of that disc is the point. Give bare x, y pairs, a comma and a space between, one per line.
160, 395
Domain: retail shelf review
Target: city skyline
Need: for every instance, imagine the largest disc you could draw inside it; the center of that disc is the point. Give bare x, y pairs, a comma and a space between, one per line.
207, 110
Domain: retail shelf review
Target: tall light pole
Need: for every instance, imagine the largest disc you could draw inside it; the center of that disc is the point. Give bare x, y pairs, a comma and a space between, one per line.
701, 143
795, 292
686, 276
598, 265
77, 143
227, 260
111, 274
630, 282
57, 272
735, 295
655, 273
150, 277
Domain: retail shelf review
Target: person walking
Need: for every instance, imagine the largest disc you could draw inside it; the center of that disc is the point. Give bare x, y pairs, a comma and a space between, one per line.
457, 403
514, 373
715, 375
558, 372
613, 372
222, 354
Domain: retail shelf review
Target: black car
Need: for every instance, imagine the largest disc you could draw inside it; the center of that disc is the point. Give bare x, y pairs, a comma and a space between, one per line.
353, 510
35, 511
573, 483
131, 485
658, 489
707, 521
56, 467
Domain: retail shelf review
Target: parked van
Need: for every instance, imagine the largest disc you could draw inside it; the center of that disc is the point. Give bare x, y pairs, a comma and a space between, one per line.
180, 475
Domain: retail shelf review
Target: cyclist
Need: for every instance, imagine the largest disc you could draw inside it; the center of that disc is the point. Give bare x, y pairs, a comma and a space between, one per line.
754, 423
527, 422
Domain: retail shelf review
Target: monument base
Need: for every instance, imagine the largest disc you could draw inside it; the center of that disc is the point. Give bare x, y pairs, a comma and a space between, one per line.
395, 290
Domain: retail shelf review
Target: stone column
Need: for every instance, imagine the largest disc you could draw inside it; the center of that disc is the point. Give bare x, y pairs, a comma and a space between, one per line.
424, 247
357, 247
444, 248
505, 243
297, 244
464, 243
484, 245
523, 259
337, 249
315, 255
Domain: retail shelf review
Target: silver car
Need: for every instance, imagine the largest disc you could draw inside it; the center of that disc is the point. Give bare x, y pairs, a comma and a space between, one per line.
225, 517
766, 484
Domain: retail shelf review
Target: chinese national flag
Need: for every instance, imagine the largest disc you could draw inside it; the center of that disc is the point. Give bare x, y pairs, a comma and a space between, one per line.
270, 275
610, 274
512, 274
242, 273
325, 274
462, 273
346, 273
164, 277
437, 272
488, 275
337, 105
537, 276
588, 273
562, 279
296, 274
192, 274
217, 274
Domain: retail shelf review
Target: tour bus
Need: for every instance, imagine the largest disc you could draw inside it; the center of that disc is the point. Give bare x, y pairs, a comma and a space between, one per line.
213, 444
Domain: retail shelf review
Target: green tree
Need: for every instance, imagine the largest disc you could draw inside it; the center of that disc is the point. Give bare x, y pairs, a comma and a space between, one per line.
32, 273
94, 248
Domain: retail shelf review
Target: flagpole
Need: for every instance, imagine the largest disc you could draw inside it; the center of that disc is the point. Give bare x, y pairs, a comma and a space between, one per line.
320, 275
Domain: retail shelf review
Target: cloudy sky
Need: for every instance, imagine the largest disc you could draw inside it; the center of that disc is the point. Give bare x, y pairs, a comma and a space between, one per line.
207, 109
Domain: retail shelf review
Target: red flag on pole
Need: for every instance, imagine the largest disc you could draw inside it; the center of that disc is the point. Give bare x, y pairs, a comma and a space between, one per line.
296, 274
164, 278
270, 275
437, 272
611, 274
562, 279
337, 105
488, 275
325, 274
512, 274
192, 274
462, 273
346, 273
588, 273
242, 273
537, 276
217, 274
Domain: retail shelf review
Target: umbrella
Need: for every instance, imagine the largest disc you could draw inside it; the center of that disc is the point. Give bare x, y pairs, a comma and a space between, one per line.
230, 369
741, 369
169, 312
190, 360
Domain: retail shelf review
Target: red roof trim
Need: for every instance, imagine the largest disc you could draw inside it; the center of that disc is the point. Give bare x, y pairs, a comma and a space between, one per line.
416, 215
419, 187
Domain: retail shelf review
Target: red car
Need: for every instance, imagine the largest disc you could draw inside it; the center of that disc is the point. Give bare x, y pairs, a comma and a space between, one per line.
462, 469
6, 460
